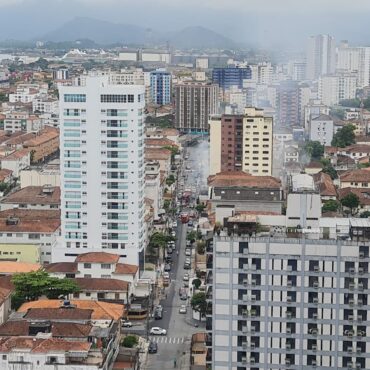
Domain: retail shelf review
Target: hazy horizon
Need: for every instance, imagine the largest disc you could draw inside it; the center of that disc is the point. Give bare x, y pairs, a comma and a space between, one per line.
274, 24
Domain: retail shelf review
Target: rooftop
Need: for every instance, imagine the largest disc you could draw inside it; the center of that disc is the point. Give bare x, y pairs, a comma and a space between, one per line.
98, 257
66, 267
361, 175
35, 195
157, 154
243, 179
101, 284
9, 267
126, 269
100, 310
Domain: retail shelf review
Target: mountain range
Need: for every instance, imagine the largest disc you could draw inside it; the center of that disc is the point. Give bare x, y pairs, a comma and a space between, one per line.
105, 33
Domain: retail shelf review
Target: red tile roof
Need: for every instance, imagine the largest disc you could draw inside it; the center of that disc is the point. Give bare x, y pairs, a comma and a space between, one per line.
126, 269
62, 267
361, 175
325, 184
101, 284
98, 257
363, 194
243, 179
34, 195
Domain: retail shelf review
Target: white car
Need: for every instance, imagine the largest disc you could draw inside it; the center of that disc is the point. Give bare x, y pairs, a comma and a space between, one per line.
186, 277
173, 233
158, 331
188, 252
182, 309
174, 224
127, 324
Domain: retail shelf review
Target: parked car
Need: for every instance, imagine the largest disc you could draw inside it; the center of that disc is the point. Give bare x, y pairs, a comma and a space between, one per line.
182, 309
173, 233
186, 277
187, 260
156, 330
186, 284
127, 324
153, 347
167, 267
166, 275
174, 224
157, 315
183, 294
187, 266
168, 259
188, 243
169, 250
187, 252
190, 223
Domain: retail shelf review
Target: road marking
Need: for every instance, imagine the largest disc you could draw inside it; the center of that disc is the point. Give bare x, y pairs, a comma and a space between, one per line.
167, 340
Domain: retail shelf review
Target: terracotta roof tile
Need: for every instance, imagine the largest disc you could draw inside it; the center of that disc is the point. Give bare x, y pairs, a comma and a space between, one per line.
356, 176
62, 267
157, 154
101, 284
159, 142
325, 184
363, 194
98, 257
101, 310
126, 269
242, 179
58, 314
34, 195
9, 267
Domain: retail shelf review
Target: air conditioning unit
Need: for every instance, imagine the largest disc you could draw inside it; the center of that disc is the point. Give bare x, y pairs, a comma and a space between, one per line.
287, 362
359, 319
316, 300
360, 286
349, 333
313, 363
288, 330
360, 270
358, 350
361, 255
358, 365
245, 313
360, 333
351, 286
246, 267
349, 350
244, 360
351, 302
316, 268
350, 317
289, 299
254, 282
289, 283
253, 329
252, 361
245, 251
289, 268
245, 282
352, 270
315, 316
253, 346
316, 284
313, 331
360, 302
253, 298
288, 346
314, 347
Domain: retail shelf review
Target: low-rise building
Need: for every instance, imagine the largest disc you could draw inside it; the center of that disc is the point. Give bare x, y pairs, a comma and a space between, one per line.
20, 228
15, 267
355, 179
33, 197
231, 192
16, 161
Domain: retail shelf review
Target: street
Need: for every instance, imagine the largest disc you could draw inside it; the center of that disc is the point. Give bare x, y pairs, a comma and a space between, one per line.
175, 346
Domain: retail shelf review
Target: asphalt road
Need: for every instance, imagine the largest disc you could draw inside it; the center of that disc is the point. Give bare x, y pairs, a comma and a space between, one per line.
179, 327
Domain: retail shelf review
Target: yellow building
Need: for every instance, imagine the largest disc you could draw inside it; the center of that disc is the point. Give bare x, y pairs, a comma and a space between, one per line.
20, 252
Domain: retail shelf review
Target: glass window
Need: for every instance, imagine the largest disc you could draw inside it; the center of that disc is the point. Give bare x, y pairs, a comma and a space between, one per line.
75, 98
87, 265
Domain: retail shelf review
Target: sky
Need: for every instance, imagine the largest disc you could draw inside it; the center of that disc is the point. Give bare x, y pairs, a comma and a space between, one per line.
263, 23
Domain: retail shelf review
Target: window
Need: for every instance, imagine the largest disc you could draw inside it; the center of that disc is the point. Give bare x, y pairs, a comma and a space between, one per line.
116, 98
87, 265
87, 276
88, 294
105, 266
75, 98
34, 236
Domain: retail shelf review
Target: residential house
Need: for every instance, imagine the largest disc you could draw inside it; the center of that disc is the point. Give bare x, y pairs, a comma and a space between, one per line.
198, 350
291, 154
362, 194
160, 155
313, 167
325, 185
355, 179
33, 197
16, 161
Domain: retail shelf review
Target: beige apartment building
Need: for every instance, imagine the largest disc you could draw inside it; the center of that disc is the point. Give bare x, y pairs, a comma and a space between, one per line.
241, 143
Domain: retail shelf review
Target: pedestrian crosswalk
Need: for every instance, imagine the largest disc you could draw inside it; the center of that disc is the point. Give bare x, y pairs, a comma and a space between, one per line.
169, 340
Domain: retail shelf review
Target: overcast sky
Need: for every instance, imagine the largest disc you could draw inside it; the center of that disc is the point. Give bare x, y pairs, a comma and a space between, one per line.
260, 22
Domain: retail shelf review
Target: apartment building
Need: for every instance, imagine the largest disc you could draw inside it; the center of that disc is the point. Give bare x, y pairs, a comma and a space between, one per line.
195, 102
160, 87
102, 169
320, 56
334, 88
231, 76
322, 129
44, 104
288, 303
288, 103
241, 143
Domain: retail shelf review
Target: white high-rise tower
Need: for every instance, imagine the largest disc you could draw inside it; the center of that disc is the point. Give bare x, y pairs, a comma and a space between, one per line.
102, 168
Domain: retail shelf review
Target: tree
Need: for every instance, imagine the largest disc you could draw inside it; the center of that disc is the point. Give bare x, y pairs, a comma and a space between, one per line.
314, 149
197, 283
200, 207
4, 187
329, 169
201, 246
365, 214
351, 201
30, 286
198, 303
130, 341
330, 206
194, 235
3, 97
158, 240
350, 103
170, 180
174, 151
344, 136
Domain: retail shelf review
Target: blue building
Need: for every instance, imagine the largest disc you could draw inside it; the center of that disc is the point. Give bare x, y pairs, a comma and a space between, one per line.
231, 76
160, 87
